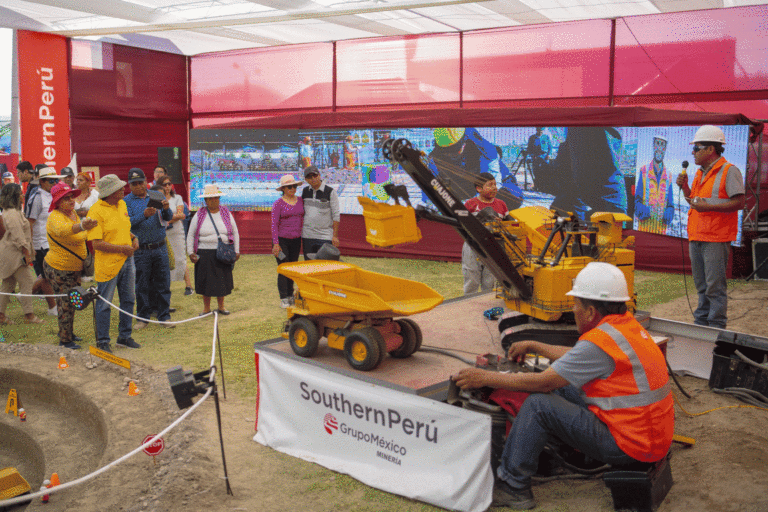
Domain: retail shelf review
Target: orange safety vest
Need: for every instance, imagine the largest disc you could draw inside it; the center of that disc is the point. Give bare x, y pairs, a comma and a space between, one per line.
712, 226
635, 401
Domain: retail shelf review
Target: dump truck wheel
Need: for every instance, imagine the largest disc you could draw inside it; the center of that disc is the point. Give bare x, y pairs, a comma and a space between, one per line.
364, 349
304, 337
417, 330
408, 347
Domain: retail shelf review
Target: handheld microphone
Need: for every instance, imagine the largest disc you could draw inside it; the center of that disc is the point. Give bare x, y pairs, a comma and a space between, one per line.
685, 169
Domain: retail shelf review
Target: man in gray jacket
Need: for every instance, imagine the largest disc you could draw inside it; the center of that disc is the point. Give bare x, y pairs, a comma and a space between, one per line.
321, 213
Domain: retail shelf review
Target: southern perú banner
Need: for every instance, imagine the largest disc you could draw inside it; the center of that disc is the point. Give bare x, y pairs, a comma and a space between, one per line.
43, 98
392, 440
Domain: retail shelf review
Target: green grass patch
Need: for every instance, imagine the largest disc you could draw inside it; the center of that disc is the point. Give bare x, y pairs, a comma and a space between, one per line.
257, 316
654, 288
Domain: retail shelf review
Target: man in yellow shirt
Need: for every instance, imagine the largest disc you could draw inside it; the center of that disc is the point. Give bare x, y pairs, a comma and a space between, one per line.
113, 245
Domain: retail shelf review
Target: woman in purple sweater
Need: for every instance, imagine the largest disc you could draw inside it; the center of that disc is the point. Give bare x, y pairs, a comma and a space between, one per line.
287, 219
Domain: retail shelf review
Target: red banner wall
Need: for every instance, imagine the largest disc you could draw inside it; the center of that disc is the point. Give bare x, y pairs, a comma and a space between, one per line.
43, 98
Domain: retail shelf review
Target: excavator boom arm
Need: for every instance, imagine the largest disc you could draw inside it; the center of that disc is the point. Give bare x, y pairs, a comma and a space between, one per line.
480, 239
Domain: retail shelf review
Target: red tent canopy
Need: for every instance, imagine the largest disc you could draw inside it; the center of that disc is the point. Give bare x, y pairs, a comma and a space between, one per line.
431, 117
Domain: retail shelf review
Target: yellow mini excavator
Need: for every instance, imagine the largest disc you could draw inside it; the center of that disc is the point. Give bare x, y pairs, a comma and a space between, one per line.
534, 253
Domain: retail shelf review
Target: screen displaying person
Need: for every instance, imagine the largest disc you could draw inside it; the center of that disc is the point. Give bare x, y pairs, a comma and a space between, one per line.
305, 152
588, 174
350, 153
654, 196
538, 149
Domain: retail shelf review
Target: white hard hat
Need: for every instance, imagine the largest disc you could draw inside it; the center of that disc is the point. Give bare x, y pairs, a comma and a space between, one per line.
600, 281
709, 133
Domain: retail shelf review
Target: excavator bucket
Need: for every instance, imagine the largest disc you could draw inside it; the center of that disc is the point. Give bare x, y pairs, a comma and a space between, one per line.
387, 224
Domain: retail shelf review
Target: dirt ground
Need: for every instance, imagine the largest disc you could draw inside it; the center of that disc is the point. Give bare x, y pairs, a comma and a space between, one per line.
726, 470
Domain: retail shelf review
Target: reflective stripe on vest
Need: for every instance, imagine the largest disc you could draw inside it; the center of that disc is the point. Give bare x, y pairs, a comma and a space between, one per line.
714, 196
645, 395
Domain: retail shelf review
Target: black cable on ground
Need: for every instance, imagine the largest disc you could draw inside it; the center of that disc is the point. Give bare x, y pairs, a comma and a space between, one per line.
674, 378
221, 359
682, 253
446, 353
749, 396
221, 437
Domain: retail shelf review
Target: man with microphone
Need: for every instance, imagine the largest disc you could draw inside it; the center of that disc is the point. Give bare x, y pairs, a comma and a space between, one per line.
715, 198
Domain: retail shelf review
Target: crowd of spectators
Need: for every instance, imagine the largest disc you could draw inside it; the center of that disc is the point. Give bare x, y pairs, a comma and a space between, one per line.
139, 244
63, 222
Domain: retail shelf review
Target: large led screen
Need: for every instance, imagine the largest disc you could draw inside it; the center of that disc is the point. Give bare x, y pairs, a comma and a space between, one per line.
577, 169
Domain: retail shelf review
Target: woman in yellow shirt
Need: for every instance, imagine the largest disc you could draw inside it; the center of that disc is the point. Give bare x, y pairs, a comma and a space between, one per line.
63, 264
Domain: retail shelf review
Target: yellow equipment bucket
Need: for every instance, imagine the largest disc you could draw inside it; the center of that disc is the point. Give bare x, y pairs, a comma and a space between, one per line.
388, 224
335, 287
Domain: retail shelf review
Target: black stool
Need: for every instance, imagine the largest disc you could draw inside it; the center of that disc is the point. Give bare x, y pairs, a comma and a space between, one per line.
640, 487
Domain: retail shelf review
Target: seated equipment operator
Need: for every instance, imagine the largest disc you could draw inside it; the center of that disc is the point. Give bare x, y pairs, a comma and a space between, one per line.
608, 396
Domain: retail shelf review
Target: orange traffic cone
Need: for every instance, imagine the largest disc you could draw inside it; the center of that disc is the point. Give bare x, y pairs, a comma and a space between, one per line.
63, 363
132, 389
55, 480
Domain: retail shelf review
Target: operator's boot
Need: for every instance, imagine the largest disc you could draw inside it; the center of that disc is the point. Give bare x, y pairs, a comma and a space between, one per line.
506, 496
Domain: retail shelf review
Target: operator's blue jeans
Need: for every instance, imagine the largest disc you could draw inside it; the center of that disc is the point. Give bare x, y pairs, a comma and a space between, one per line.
709, 261
125, 283
564, 415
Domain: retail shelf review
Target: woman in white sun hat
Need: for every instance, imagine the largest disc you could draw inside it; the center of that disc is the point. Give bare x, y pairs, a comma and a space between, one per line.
212, 223
287, 221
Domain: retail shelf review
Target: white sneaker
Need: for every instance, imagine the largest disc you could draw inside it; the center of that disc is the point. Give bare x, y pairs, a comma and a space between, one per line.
86, 279
139, 325
284, 303
54, 311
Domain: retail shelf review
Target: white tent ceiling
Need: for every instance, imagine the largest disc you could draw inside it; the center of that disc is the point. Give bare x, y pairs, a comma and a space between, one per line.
191, 27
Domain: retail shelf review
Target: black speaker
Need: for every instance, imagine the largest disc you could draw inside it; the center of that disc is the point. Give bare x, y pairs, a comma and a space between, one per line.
170, 158
760, 258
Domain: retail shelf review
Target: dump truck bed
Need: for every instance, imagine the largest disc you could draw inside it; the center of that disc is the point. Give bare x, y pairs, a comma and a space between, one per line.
330, 287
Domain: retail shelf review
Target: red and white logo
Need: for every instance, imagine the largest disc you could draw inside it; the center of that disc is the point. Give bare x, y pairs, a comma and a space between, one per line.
330, 423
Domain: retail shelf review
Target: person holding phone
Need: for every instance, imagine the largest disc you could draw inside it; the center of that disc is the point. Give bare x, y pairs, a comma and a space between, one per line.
153, 273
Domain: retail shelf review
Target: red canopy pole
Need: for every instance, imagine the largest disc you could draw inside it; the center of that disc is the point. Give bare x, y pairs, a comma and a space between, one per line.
334, 80
461, 69
612, 62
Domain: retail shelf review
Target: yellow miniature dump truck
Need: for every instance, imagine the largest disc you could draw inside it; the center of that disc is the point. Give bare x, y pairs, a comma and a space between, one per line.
355, 310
